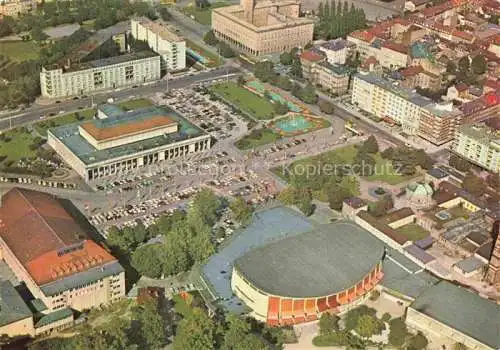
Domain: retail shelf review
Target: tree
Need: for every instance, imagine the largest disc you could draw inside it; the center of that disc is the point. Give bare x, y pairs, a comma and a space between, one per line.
240, 81
474, 184
328, 323
238, 335
241, 210
366, 326
370, 145
418, 342
397, 332
210, 38
478, 65
164, 14
148, 261
195, 332
459, 163
152, 325
286, 58
382, 206
280, 108
308, 94
296, 68
37, 34
264, 71
364, 164
352, 316
205, 204
284, 83
326, 107
336, 196
225, 50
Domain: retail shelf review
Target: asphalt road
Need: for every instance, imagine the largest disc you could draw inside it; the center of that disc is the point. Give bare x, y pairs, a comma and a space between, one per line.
37, 112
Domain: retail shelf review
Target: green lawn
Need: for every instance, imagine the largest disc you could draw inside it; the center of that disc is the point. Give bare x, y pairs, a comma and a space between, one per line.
203, 16
43, 126
136, 104
19, 50
214, 60
18, 146
413, 232
247, 101
257, 138
385, 172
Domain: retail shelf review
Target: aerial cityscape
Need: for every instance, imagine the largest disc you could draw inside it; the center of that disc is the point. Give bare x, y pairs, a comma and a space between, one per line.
250, 174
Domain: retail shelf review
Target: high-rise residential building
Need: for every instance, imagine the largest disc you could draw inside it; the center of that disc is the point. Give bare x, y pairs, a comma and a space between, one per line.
417, 115
48, 249
107, 73
163, 41
262, 27
479, 144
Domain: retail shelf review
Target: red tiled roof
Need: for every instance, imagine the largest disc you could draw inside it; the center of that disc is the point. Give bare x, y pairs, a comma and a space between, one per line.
311, 56
35, 226
436, 10
396, 47
463, 35
364, 35
412, 71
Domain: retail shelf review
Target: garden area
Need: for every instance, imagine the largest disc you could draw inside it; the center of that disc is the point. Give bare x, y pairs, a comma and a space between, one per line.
15, 144
43, 126
135, 104
203, 15
413, 232
256, 138
245, 100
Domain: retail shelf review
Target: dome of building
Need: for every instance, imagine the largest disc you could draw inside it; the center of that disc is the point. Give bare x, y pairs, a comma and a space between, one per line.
419, 194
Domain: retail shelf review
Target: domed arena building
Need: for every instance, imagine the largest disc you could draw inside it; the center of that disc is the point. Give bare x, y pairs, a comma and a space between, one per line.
296, 279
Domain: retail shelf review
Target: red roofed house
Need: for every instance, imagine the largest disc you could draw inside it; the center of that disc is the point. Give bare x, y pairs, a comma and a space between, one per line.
51, 252
308, 58
362, 39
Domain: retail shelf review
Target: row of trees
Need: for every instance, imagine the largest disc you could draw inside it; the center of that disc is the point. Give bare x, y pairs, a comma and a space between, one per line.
104, 13
337, 20
468, 69
224, 49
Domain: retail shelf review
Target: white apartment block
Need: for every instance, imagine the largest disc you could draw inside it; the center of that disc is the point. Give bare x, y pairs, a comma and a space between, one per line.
107, 73
335, 51
161, 40
385, 100
479, 144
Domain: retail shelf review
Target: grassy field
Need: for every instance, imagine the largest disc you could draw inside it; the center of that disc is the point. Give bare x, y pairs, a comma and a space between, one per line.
215, 60
18, 146
135, 104
19, 50
203, 16
413, 232
43, 126
253, 104
257, 138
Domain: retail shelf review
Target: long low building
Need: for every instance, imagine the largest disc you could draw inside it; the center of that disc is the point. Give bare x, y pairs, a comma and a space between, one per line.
52, 253
120, 141
298, 278
108, 73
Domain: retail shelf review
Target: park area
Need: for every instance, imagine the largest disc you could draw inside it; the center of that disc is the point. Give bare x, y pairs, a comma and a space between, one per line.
201, 55
19, 51
252, 104
203, 15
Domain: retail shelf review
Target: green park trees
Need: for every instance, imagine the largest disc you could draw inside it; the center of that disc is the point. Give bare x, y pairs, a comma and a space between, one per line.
337, 19
241, 210
210, 38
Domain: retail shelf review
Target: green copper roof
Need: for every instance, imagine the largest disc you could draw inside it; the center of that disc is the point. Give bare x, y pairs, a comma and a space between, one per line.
53, 317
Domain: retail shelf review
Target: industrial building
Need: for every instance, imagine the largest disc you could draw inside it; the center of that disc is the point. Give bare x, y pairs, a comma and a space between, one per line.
120, 141
257, 28
163, 41
48, 249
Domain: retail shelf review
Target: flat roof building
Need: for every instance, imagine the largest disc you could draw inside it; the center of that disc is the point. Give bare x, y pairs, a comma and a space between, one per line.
161, 40
108, 73
479, 144
257, 28
120, 141
45, 246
